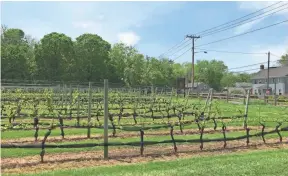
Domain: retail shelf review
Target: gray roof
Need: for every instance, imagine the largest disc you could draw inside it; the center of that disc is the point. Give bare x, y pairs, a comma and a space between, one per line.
195, 84
273, 72
262, 87
243, 84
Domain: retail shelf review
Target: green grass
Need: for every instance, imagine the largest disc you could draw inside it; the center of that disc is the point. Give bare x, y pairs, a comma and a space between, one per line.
264, 163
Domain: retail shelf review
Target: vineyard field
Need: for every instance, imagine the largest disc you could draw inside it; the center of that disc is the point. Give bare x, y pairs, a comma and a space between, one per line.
49, 127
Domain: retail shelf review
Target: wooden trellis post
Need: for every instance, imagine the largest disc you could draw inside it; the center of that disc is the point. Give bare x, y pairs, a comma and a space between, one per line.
105, 118
246, 109
89, 110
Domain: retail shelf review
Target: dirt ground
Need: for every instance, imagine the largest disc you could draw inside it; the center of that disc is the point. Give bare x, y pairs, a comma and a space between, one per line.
131, 155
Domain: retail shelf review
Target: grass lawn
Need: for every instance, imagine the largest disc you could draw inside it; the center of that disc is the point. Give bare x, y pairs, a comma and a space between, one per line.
249, 164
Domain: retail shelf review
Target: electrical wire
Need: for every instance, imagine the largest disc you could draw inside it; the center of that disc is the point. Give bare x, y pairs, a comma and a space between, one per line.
236, 25
275, 55
222, 25
244, 33
199, 33
252, 65
226, 29
172, 48
234, 52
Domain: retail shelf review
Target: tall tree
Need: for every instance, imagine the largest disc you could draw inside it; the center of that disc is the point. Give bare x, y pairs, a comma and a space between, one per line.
92, 53
14, 54
284, 60
128, 64
211, 72
54, 56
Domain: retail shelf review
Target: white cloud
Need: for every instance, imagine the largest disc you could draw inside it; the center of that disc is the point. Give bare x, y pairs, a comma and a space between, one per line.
247, 26
257, 5
109, 20
129, 38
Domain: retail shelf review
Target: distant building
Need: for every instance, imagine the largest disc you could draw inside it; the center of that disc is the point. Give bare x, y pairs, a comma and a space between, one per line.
278, 76
198, 86
240, 87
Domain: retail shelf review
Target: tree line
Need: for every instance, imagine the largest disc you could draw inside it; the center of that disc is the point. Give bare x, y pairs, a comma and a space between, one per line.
56, 57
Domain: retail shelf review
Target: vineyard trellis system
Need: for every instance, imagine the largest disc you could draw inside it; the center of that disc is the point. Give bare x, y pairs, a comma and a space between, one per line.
161, 105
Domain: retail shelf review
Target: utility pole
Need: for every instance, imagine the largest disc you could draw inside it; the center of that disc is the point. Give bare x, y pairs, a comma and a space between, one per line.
268, 69
193, 37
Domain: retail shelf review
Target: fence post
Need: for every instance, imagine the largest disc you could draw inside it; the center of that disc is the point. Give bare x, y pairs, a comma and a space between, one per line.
210, 101
78, 108
246, 109
89, 110
105, 118
275, 96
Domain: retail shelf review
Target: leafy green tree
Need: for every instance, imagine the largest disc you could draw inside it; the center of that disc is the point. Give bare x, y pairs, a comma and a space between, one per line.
284, 60
228, 80
92, 57
127, 64
55, 57
14, 54
211, 72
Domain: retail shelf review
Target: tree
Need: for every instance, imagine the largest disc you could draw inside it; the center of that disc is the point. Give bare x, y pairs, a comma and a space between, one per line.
211, 72
284, 60
92, 57
127, 64
229, 79
54, 57
14, 54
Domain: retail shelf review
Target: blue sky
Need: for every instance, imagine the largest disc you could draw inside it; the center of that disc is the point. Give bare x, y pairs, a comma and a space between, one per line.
154, 27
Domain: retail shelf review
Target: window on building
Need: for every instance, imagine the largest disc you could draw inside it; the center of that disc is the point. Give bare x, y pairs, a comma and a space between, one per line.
255, 82
255, 92
280, 92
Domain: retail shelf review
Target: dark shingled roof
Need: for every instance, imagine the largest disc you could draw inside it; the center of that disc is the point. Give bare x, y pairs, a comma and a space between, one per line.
273, 72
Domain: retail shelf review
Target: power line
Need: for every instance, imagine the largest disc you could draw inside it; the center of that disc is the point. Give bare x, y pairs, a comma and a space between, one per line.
181, 49
252, 65
236, 52
244, 33
247, 66
217, 27
235, 25
172, 48
199, 33
181, 55
275, 55
246, 70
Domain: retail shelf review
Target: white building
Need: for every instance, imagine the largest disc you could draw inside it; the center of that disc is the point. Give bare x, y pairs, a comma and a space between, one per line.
278, 81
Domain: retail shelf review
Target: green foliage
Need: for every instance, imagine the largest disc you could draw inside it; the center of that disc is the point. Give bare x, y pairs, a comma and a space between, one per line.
56, 57
91, 57
284, 60
211, 72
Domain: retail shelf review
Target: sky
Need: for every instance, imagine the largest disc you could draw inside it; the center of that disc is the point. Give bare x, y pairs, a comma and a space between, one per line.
154, 27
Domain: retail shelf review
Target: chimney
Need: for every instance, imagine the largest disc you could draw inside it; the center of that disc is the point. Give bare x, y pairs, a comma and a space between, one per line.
261, 67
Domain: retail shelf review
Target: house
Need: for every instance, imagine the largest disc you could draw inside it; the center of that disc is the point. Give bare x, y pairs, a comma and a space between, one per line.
240, 87
198, 86
278, 78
